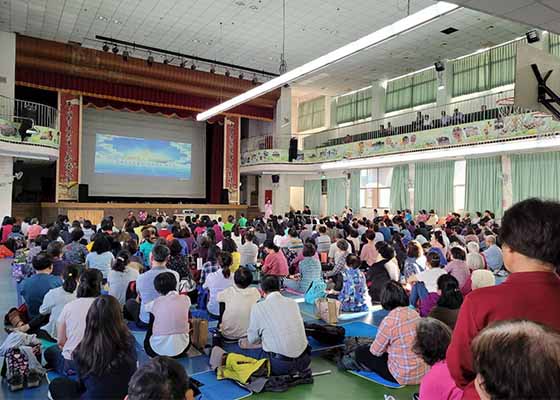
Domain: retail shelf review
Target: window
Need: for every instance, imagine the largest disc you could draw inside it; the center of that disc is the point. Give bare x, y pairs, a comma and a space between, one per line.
353, 107
311, 114
554, 44
459, 180
411, 91
375, 187
487, 70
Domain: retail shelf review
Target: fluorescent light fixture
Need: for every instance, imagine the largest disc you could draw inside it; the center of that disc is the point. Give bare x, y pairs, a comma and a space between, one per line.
456, 152
403, 25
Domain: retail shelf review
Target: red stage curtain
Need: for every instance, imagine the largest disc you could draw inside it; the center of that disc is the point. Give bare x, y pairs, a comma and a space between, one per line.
130, 94
214, 162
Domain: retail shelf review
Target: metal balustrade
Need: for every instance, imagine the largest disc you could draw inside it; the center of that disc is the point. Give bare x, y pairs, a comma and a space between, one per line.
13, 110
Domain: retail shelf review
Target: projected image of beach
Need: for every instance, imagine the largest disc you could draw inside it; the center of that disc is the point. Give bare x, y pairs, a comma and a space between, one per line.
124, 155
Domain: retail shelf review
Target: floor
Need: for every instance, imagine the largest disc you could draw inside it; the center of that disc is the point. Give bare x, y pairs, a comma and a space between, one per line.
337, 384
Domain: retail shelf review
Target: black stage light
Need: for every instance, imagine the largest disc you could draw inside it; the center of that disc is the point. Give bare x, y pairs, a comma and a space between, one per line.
532, 36
150, 60
105, 48
115, 50
440, 67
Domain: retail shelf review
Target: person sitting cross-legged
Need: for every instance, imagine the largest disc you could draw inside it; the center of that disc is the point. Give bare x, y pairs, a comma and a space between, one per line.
277, 323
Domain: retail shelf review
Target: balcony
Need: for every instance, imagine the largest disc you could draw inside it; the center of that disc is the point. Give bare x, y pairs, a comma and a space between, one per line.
28, 123
485, 119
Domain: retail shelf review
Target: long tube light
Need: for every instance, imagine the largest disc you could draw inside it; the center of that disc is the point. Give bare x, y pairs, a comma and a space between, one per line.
403, 25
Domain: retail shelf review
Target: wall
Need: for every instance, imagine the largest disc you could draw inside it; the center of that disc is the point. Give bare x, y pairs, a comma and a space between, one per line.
6, 178
7, 64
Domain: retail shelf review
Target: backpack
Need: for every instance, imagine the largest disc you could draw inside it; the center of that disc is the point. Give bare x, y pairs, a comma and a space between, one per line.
17, 368
315, 291
326, 334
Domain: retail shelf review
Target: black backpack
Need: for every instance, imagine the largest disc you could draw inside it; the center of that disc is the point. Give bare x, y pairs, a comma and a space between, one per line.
326, 334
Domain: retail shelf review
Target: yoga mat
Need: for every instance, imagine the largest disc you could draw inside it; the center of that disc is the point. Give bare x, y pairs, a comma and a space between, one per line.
373, 377
359, 329
213, 389
354, 315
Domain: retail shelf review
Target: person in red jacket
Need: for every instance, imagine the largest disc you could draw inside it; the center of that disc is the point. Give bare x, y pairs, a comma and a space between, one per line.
531, 247
275, 263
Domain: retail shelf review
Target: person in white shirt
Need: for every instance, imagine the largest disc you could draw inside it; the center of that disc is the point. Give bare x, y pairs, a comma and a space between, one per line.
168, 330
218, 281
236, 303
277, 324
426, 281
248, 252
120, 276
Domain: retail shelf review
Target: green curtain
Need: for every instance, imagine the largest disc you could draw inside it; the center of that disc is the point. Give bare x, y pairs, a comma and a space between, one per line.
355, 192
336, 195
354, 106
554, 44
484, 184
424, 87
535, 175
502, 64
311, 114
398, 95
312, 195
471, 74
399, 188
433, 186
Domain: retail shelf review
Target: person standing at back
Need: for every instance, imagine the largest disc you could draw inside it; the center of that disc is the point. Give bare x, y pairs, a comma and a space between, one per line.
530, 235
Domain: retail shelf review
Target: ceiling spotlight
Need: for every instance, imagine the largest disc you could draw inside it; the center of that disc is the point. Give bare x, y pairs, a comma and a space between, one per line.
227, 74
125, 55
193, 66
150, 60
105, 47
255, 80
440, 67
532, 36
115, 50
183, 64
166, 60
212, 69
241, 75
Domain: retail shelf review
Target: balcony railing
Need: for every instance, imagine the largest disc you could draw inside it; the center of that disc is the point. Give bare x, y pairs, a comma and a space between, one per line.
18, 110
265, 143
471, 110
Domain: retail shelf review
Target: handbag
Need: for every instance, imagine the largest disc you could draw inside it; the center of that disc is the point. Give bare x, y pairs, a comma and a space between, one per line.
327, 310
200, 333
187, 285
315, 291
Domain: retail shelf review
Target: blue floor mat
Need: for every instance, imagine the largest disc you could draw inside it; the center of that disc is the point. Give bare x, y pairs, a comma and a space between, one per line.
213, 389
373, 377
360, 329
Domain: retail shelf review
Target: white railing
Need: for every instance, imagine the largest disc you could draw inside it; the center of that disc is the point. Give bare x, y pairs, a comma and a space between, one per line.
18, 110
468, 111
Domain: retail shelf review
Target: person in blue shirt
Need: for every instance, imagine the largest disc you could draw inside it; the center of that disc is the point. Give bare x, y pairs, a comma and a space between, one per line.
33, 289
386, 232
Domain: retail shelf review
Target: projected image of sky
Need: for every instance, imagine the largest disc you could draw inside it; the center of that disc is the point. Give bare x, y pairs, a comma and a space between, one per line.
123, 155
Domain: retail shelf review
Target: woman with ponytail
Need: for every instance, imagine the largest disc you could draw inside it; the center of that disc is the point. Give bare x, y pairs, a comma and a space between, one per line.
449, 302
218, 281
120, 276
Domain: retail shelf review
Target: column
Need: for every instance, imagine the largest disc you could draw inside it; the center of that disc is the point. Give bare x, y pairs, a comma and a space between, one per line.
6, 183
445, 84
68, 165
283, 115
232, 154
378, 99
507, 191
7, 64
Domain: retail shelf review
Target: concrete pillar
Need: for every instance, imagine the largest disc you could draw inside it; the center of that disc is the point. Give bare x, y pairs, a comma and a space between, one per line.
283, 116
7, 64
444, 84
507, 191
377, 99
6, 184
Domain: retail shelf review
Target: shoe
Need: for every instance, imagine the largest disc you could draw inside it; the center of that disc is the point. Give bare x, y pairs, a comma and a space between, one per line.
15, 383
34, 380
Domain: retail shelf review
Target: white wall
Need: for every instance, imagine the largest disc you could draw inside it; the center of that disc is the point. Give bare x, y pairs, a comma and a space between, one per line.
6, 178
7, 64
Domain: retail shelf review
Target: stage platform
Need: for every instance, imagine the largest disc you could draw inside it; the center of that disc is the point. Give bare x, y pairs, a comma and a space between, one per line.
96, 211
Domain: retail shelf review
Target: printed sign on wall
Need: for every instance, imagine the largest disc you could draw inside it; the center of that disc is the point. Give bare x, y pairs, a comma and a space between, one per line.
68, 161
231, 157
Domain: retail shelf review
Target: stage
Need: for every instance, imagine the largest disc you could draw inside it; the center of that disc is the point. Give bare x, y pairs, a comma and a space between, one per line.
95, 212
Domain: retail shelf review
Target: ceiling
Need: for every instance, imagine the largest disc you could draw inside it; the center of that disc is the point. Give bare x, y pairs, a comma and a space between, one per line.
543, 14
249, 32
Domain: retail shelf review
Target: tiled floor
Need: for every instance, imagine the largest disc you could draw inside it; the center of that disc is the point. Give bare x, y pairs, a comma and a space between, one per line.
336, 385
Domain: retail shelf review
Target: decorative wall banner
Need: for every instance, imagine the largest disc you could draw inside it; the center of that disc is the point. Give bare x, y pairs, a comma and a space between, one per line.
517, 125
68, 161
43, 136
232, 138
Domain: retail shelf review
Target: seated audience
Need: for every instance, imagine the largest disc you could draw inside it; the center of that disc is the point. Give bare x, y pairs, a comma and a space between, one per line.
249, 252
369, 253
72, 324
178, 261
34, 288
425, 286
275, 262
237, 301
474, 260
216, 282
415, 260
390, 355
323, 241
309, 271
530, 348
135, 309
354, 288
160, 378
147, 244
449, 302
481, 278
101, 257
432, 340
493, 254
458, 267
211, 264
120, 276
230, 246
105, 359
277, 324
75, 252
168, 330
340, 255
54, 250
531, 253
